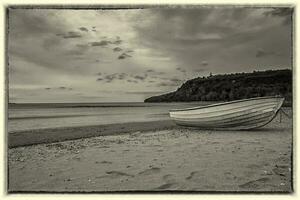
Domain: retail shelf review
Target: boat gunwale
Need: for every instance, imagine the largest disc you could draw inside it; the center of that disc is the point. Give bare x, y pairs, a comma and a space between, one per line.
226, 103
216, 119
242, 126
235, 121
238, 109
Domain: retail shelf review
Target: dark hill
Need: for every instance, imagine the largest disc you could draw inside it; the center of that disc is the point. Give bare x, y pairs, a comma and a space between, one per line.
232, 87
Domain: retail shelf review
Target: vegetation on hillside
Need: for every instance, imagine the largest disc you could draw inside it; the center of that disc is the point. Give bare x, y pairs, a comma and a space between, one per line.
229, 87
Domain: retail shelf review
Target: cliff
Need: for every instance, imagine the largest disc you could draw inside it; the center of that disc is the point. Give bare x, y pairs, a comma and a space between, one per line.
229, 87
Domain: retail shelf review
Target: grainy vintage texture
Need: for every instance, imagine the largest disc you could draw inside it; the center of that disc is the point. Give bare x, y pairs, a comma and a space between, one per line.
150, 99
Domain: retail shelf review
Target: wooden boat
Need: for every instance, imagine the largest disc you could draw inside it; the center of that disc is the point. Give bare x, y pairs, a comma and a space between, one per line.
234, 115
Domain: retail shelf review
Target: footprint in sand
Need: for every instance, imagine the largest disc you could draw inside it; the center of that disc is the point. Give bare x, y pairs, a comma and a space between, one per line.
253, 166
281, 170
283, 159
192, 175
169, 178
103, 162
270, 151
167, 186
215, 143
76, 158
103, 147
169, 183
115, 174
255, 184
153, 170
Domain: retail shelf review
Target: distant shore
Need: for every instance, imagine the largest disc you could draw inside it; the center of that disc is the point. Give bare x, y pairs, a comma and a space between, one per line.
229, 87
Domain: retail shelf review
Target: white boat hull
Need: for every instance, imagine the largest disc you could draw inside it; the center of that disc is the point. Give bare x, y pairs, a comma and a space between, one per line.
235, 115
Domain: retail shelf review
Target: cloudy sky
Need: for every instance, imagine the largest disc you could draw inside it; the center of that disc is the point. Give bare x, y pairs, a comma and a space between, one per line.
127, 55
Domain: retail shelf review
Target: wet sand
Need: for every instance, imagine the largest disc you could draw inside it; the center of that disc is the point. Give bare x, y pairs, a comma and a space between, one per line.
50, 135
168, 159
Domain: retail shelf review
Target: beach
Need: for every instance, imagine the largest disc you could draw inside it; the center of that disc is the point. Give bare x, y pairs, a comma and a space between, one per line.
163, 98
157, 158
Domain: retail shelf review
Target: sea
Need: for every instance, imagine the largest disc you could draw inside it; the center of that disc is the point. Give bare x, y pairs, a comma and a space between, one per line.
29, 116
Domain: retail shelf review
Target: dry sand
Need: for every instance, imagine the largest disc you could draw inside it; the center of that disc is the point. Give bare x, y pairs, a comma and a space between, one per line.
176, 159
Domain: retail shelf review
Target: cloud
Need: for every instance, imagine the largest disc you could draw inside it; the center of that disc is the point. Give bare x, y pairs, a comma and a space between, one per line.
71, 34
166, 84
123, 56
168, 37
222, 32
59, 88
101, 43
181, 70
175, 80
204, 63
50, 43
81, 45
199, 70
110, 77
83, 29
117, 49
32, 23
138, 77
122, 76
117, 41
285, 12
145, 92
262, 53
132, 81
78, 50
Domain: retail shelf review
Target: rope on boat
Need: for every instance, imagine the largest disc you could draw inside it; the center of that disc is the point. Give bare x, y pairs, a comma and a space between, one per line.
282, 111
285, 113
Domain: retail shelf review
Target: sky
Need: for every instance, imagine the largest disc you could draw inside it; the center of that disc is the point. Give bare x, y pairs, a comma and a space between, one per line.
127, 55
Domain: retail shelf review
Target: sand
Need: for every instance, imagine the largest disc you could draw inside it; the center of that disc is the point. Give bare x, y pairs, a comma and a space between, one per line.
169, 159
50, 135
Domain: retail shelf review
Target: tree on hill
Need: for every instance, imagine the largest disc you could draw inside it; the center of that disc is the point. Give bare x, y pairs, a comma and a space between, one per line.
229, 87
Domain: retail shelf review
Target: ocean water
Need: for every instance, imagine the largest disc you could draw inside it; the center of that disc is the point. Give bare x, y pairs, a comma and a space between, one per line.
39, 116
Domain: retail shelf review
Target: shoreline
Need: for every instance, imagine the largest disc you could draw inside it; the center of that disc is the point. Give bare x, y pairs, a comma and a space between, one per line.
60, 134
